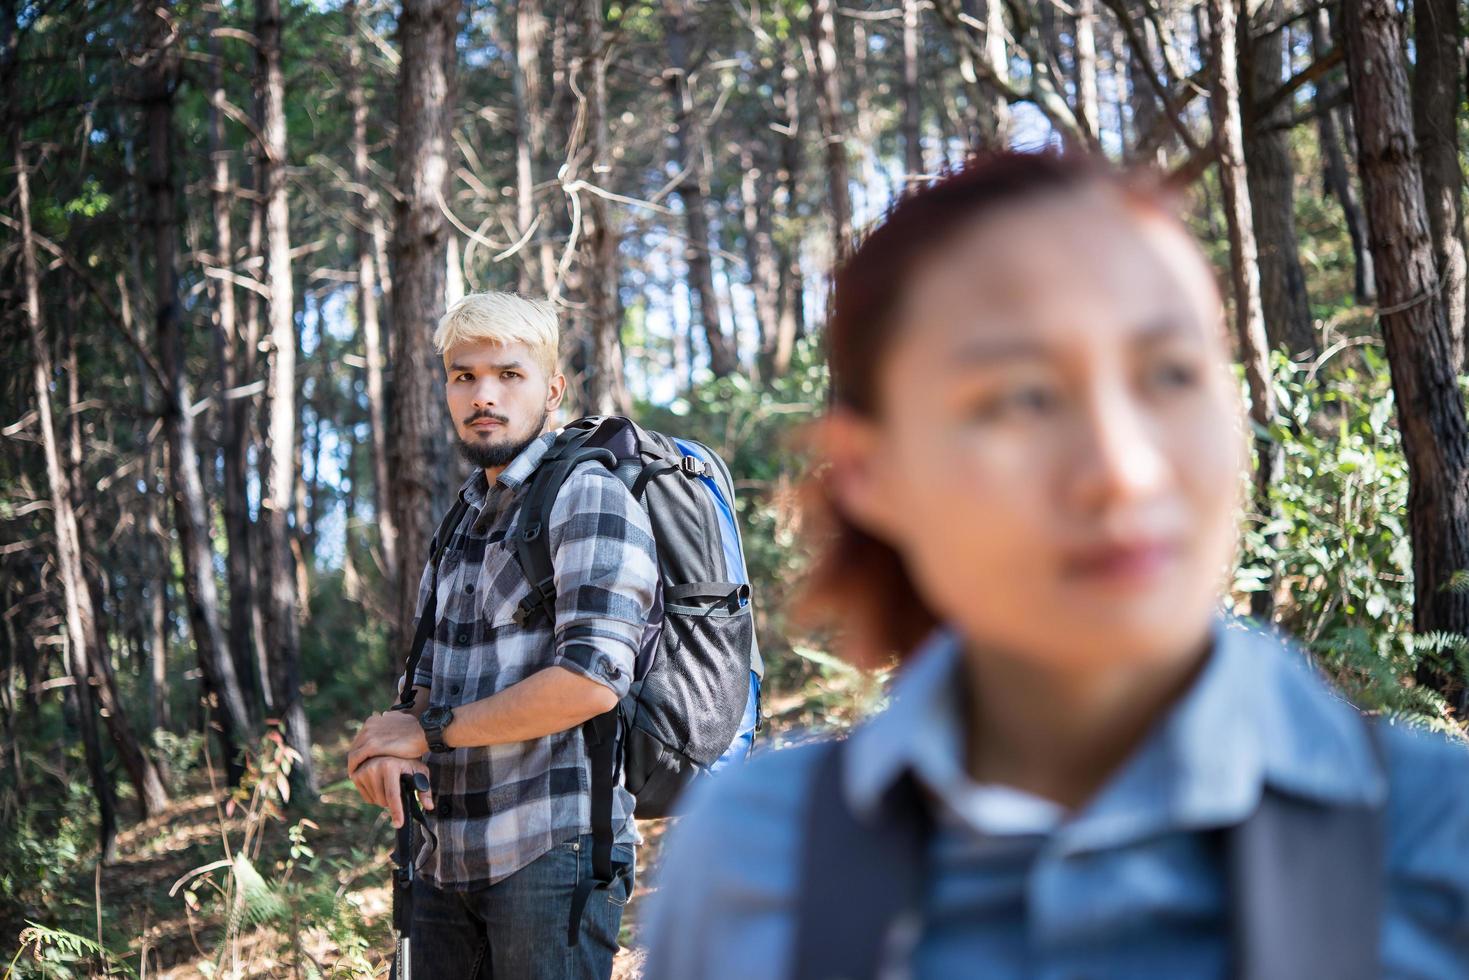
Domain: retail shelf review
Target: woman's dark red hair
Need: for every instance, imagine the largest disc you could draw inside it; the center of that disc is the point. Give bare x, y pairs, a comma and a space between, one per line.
858, 584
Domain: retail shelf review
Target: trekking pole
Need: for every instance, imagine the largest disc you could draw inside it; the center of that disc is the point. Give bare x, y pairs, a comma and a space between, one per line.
409, 786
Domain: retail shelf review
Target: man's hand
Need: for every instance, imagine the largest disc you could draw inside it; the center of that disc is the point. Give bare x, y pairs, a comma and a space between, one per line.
377, 781
394, 733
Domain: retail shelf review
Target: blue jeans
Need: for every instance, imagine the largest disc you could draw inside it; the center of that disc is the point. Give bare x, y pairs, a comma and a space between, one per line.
515, 929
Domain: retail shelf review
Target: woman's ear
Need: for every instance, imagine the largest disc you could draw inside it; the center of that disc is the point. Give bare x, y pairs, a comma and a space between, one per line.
855, 480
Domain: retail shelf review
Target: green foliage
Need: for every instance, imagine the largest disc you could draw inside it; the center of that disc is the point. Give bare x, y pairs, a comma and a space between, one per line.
44, 840
1338, 536
48, 952
756, 429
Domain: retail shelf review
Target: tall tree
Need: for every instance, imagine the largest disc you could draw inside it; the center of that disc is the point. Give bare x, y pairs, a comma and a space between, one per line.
235, 363
827, 76
1272, 187
1084, 56
1438, 39
368, 317
1338, 179
417, 418
76, 600
282, 608
912, 104
1415, 328
693, 182
1244, 276
606, 393
191, 513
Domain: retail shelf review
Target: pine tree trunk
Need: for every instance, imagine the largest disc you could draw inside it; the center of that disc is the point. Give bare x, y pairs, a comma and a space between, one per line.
1438, 47
235, 410
191, 513
678, 29
1244, 270
1415, 327
77, 602
760, 260
833, 129
1338, 178
282, 608
792, 321
417, 417
912, 102
1272, 192
1084, 53
367, 303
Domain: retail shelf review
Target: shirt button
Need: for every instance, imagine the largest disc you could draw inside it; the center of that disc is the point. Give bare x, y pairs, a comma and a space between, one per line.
454, 688
462, 638
469, 588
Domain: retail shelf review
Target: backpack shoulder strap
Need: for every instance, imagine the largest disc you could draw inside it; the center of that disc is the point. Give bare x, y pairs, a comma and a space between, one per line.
1306, 885
532, 535
861, 882
429, 616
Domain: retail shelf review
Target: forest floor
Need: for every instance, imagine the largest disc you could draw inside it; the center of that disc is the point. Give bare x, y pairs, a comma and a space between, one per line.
323, 907
337, 915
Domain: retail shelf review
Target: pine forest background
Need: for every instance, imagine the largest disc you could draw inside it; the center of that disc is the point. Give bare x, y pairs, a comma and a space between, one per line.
228, 228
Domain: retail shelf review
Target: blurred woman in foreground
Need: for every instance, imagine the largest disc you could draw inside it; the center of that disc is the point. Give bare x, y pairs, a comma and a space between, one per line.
1033, 463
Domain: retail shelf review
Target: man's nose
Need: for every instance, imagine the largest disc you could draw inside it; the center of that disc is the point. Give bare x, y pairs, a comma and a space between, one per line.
485, 393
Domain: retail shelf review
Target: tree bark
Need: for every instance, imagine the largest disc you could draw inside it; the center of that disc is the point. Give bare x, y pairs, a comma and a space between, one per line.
1415, 327
678, 24
76, 601
1084, 53
1438, 46
367, 304
1244, 270
763, 276
235, 410
792, 322
417, 418
1337, 177
191, 513
282, 607
833, 130
1146, 112
912, 102
1272, 191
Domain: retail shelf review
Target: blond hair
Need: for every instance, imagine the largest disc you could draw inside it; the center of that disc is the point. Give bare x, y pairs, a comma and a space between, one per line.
503, 318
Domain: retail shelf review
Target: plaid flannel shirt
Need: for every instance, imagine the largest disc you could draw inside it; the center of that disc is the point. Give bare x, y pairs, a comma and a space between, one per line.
498, 808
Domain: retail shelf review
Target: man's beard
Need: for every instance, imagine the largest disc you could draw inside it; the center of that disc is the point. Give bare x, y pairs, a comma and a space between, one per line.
491, 455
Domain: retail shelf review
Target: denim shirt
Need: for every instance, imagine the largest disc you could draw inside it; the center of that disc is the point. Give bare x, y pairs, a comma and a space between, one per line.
1128, 885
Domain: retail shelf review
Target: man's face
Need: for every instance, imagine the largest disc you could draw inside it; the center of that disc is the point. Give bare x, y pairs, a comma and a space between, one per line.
499, 397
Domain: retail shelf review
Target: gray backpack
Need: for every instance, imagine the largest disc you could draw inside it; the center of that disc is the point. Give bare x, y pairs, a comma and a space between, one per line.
1305, 885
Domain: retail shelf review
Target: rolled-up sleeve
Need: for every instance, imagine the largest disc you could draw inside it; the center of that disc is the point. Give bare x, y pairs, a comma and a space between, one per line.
606, 572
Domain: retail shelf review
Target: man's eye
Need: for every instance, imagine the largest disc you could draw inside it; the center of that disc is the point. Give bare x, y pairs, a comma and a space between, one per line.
465, 377
510, 375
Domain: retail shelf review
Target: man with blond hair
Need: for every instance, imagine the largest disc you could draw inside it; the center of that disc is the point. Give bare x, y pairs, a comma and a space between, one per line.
498, 702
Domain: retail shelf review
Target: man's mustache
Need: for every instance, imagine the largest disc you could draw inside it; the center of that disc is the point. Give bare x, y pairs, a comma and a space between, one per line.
504, 420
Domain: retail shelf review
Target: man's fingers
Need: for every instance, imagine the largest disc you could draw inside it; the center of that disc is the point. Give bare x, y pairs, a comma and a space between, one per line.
395, 800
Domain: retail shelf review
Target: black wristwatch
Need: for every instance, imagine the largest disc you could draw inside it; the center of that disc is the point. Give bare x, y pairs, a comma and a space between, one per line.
434, 720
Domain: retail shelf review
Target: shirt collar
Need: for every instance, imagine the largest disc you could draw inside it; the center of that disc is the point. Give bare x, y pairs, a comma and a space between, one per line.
476, 490
1256, 716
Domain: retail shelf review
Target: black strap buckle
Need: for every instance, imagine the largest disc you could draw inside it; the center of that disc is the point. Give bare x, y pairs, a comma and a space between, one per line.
692, 466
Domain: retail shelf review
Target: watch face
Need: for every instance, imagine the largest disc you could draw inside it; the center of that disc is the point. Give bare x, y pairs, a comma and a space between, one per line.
437, 717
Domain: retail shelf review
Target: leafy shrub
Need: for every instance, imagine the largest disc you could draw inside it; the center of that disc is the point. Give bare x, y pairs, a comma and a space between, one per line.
1339, 537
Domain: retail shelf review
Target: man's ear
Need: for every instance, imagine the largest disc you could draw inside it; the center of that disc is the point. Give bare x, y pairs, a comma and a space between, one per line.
555, 391
850, 446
